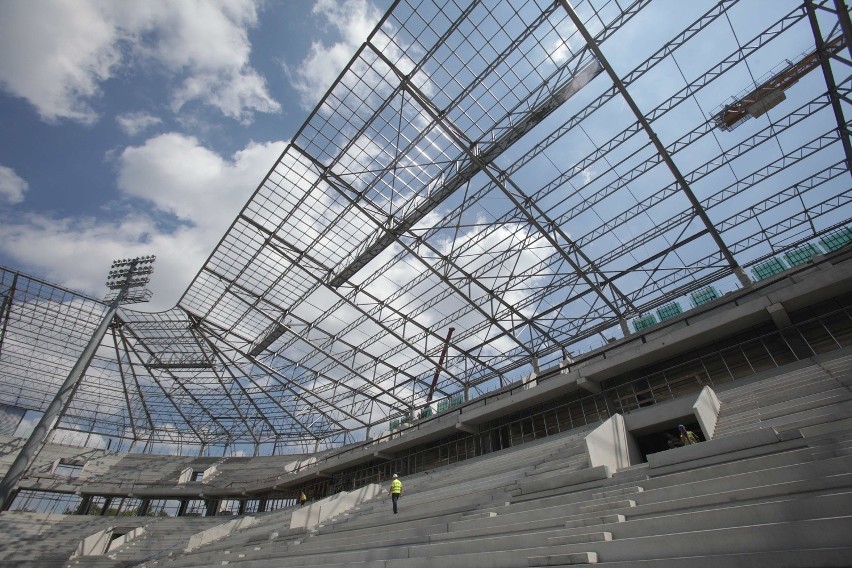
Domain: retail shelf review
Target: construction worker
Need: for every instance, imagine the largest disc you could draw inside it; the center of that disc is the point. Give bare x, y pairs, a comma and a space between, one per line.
687, 437
395, 491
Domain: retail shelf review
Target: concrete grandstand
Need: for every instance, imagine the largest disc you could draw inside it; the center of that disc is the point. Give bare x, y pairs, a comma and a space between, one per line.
504, 259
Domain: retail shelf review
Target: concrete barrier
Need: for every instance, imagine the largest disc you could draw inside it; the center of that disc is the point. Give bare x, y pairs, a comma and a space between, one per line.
310, 516
610, 445
101, 542
706, 409
219, 531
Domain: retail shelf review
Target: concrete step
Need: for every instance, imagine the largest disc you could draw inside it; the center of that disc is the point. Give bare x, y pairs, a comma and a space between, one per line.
806, 558
692, 484
406, 518
562, 481
767, 410
835, 418
660, 501
563, 559
777, 387
572, 463
769, 537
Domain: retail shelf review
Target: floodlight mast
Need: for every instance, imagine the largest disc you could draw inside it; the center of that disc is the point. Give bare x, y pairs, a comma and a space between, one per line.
126, 281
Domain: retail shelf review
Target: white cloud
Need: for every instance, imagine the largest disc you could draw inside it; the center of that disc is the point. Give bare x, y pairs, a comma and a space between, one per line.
353, 20
135, 122
57, 53
178, 175
174, 174
12, 186
208, 41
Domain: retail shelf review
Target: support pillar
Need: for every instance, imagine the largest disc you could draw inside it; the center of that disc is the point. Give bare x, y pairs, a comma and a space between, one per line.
51, 415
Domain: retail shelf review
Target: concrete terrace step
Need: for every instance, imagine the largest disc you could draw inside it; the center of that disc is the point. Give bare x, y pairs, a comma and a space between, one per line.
395, 537
805, 558
499, 464
778, 395
563, 559
826, 419
561, 479
771, 383
757, 414
679, 492
472, 484
403, 520
786, 408
816, 395
824, 532
771, 379
691, 496
687, 479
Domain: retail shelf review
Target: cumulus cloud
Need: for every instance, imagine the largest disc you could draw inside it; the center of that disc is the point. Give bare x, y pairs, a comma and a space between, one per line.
12, 186
56, 54
178, 175
169, 173
134, 123
352, 20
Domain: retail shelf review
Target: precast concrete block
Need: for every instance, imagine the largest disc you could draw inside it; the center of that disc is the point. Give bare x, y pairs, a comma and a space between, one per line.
617, 492
564, 559
540, 517
590, 522
599, 536
809, 558
723, 516
623, 504
564, 480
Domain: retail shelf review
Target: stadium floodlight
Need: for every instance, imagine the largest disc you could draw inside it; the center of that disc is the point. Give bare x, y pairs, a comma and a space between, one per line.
127, 276
126, 280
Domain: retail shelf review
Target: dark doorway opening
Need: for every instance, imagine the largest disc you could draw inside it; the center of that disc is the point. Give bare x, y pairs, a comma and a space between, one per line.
661, 440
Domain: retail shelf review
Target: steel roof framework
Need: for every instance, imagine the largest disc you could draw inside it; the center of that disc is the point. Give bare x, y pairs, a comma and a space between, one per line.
532, 173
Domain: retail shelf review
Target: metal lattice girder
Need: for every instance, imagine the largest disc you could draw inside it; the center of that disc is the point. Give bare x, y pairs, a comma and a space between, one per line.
528, 172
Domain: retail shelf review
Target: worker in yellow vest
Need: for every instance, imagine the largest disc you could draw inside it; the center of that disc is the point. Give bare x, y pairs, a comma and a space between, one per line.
395, 491
687, 437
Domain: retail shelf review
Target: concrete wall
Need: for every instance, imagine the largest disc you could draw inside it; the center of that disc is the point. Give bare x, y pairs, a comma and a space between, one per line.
125, 538
93, 545
611, 445
315, 513
219, 531
706, 409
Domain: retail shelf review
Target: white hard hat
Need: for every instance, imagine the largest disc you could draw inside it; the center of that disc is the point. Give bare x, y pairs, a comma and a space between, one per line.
395, 476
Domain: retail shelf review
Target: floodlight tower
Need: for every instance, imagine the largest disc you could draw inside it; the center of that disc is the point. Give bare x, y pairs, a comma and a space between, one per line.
126, 280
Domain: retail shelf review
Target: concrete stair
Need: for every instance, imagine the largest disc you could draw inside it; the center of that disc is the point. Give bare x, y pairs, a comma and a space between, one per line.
813, 395
786, 502
787, 499
774, 488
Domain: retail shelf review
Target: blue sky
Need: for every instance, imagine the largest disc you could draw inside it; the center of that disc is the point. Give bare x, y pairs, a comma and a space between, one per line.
133, 128
142, 126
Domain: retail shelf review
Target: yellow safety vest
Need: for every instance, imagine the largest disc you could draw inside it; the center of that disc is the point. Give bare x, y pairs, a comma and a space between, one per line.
396, 486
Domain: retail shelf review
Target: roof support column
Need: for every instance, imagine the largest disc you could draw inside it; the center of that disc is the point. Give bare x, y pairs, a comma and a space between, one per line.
6, 309
38, 437
845, 23
661, 150
843, 16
